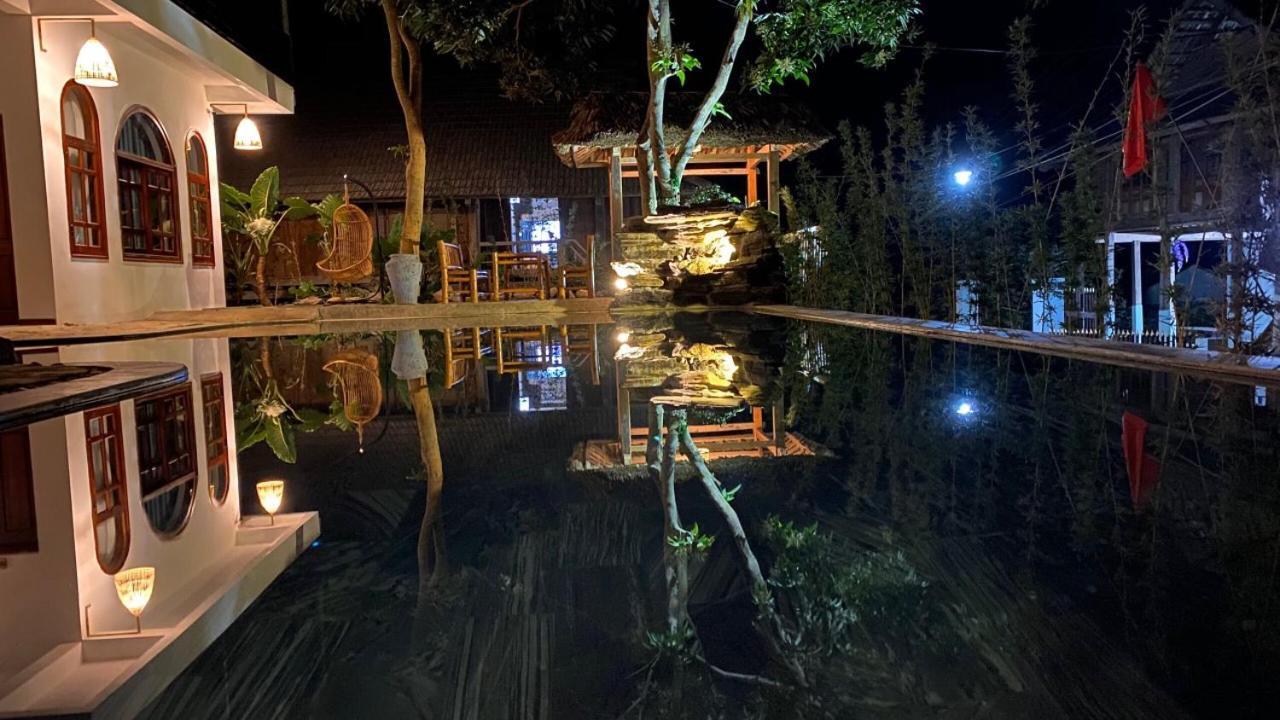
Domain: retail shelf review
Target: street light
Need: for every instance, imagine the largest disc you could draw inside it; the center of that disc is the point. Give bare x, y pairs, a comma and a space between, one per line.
963, 177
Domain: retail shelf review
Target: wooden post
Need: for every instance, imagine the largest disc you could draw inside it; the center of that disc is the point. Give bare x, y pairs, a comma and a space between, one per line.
1136, 306
753, 190
775, 198
779, 429
615, 199
624, 411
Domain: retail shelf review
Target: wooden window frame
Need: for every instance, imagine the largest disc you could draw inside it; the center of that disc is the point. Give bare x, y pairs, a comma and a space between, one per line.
119, 510
91, 145
162, 421
215, 415
196, 181
149, 169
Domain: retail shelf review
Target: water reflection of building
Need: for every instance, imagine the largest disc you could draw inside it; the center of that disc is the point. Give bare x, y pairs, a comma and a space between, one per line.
150, 481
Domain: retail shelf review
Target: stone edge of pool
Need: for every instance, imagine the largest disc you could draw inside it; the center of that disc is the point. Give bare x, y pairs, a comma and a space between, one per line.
1253, 369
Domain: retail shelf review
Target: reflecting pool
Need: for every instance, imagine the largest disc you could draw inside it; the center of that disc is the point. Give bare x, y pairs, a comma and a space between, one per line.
928, 529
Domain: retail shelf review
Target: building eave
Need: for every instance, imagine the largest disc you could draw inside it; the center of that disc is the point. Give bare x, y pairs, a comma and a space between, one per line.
234, 76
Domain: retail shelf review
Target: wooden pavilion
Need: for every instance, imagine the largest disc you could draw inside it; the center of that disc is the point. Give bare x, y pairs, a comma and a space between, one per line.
761, 131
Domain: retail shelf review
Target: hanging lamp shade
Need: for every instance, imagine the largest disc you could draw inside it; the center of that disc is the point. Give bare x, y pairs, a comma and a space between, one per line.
94, 66
247, 136
134, 587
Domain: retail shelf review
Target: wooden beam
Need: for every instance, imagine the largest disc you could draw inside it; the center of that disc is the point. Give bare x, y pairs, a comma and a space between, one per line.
753, 184
615, 199
624, 411
694, 170
771, 172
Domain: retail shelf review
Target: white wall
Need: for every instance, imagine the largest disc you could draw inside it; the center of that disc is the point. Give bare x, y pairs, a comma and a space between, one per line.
38, 607
210, 532
26, 181
94, 290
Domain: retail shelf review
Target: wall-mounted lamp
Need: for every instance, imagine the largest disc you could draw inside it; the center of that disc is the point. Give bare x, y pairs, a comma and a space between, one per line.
134, 588
94, 66
271, 496
247, 135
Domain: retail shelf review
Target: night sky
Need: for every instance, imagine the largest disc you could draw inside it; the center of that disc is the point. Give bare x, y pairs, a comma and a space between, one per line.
337, 61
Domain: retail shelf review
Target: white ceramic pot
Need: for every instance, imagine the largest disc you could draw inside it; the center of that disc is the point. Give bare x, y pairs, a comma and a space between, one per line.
405, 274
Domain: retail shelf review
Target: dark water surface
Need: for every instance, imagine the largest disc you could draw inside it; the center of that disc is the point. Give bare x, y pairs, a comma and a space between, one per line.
948, 532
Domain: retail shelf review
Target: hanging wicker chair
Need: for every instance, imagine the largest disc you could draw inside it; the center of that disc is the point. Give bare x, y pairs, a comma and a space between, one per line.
349, 259
357, 373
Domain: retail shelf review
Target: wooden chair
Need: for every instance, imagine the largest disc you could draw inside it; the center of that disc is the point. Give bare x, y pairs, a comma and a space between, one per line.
582, 347
350, 256
455, 276
519, 349
578, 277
356, 372
517, 275
462, 349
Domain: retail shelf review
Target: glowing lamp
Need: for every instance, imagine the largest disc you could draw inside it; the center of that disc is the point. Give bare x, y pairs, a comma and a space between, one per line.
623, 337
620, 284
94, 66
964, 409
963, 177
134, 588
247, 136
270, 496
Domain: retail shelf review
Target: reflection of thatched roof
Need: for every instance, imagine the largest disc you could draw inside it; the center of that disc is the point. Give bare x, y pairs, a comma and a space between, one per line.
603, 121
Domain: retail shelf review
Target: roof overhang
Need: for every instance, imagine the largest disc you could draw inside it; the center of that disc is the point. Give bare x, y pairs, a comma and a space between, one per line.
229, 75
595, 156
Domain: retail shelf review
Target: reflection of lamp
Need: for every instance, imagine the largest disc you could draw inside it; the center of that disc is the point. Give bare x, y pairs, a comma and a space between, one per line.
623, 337
620, 283
134, 588
94, 66
270, 496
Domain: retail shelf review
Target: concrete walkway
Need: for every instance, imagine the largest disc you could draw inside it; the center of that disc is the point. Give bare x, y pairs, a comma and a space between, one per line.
313, 319
1252, 369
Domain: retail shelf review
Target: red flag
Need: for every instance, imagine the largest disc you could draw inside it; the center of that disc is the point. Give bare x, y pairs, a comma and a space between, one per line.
1145, 107
1142, 468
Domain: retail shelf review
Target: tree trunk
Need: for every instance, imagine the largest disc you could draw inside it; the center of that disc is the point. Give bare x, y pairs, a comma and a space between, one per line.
701, 118
766, 621
657, 173
430, 545
406, 76
661, 463
260, 280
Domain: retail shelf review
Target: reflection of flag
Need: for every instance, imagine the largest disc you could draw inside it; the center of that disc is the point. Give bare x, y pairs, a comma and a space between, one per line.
1145, 107
1142, 468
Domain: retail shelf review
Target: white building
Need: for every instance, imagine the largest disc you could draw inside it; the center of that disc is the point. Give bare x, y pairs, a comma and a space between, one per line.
108, 212
111, 191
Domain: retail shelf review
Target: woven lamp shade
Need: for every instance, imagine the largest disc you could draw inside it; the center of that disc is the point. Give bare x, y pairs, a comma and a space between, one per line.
350, 260
134, 588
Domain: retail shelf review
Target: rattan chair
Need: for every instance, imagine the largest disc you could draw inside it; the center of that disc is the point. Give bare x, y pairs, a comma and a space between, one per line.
515, 275
462, 349
350, 254
357, 374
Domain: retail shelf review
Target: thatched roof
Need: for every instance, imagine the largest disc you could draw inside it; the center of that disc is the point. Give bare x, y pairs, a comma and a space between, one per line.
604, 121
475, 149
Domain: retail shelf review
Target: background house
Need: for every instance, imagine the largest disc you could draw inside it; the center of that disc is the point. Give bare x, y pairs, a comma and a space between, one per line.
492, 176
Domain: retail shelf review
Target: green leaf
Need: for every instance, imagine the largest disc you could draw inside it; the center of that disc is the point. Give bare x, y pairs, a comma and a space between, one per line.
265, 193
280, 437
326, 208
312, 420
680, 76
249, 434
298, 209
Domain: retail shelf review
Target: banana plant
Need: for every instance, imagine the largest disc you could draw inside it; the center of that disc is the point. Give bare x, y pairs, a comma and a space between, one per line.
257, 215
265, 415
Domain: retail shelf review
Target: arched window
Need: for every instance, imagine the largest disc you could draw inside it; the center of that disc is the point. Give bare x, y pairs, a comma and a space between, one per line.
200, 199
82, 156
107, 487
148, 190
167, 459
215, 437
